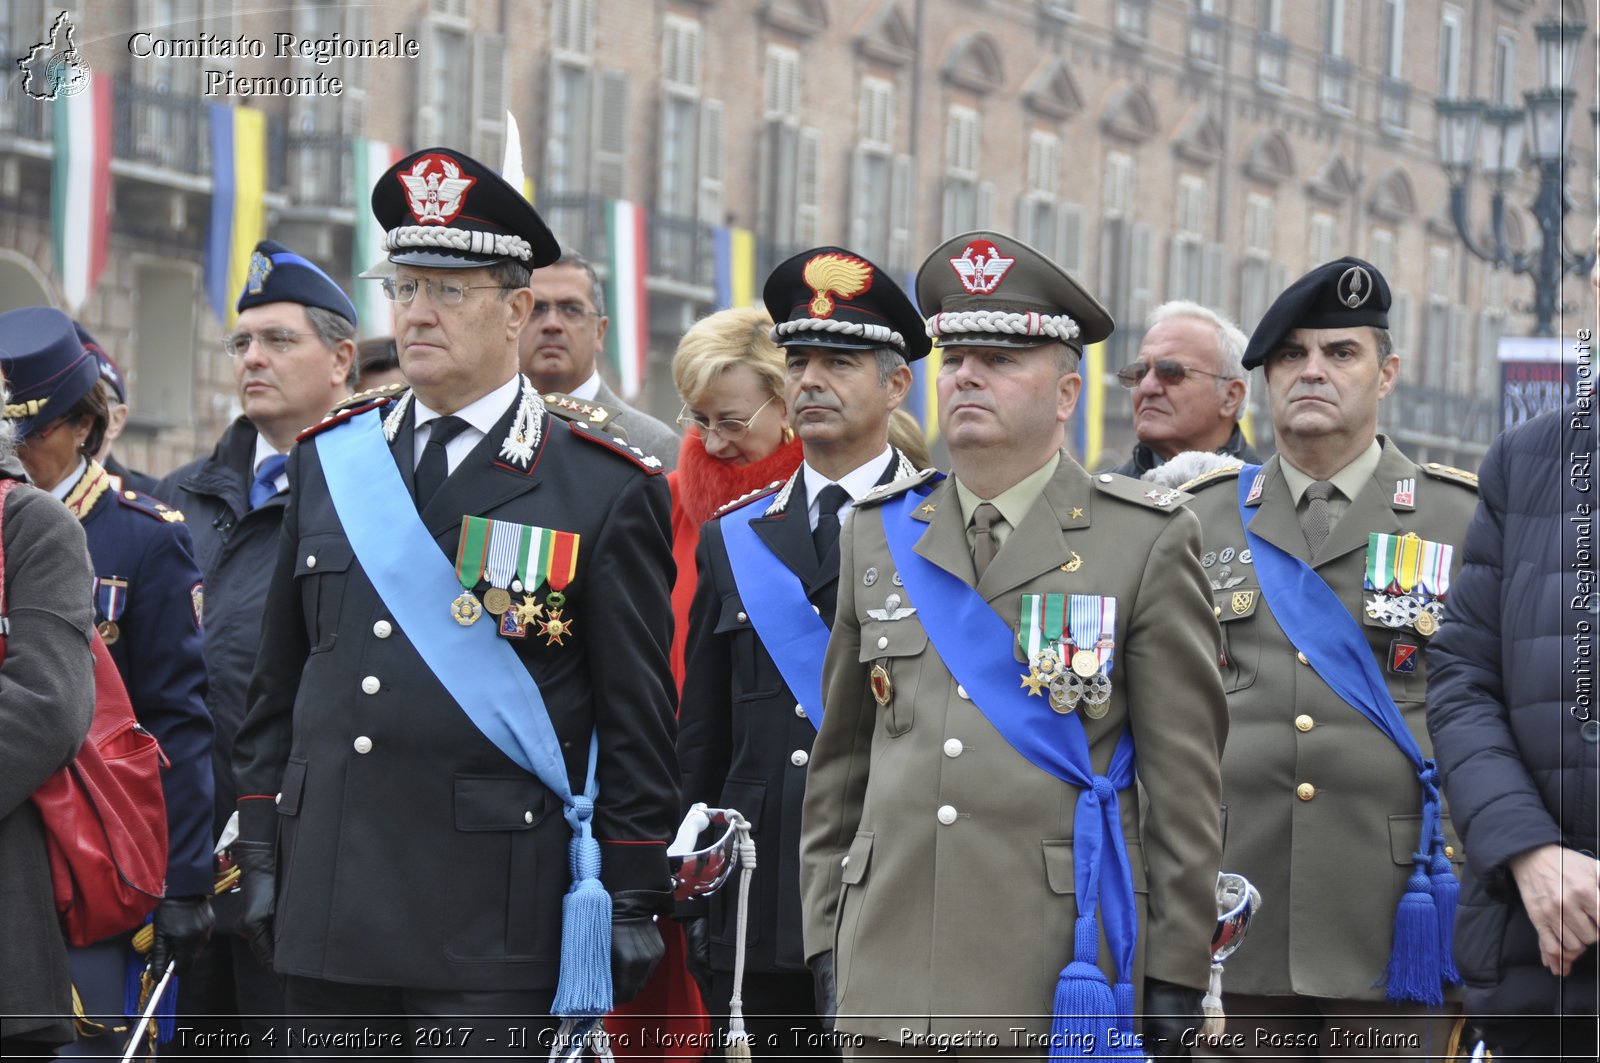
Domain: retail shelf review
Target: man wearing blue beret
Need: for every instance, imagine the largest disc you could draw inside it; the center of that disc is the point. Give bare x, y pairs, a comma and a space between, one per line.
293, 356
1331, 566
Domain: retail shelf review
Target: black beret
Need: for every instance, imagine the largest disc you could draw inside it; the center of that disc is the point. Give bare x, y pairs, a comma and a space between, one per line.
108, 369
278, 275
1344, 293
48, 370
441, 209
831, 297
988, 289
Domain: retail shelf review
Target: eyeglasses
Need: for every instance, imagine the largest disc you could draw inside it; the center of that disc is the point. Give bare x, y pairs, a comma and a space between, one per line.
1169, 373
277, 339
571, 313
727, 429
445, 293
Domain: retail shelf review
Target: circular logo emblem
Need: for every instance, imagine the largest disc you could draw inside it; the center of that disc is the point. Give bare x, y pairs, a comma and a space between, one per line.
66, 74
1355, 287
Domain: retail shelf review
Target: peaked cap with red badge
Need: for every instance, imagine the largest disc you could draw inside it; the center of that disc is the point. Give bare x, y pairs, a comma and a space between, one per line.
442, 209
832, 297
987, 289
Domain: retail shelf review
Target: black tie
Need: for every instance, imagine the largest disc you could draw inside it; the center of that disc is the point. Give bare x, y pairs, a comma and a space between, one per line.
826, 533
434, 466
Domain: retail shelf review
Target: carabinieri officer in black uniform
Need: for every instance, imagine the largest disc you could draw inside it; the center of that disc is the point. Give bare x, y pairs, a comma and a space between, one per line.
148, 605
463, 675
758, 626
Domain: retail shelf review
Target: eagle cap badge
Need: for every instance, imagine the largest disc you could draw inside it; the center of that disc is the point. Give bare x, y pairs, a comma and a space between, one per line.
981, 267
835, 275
436, 196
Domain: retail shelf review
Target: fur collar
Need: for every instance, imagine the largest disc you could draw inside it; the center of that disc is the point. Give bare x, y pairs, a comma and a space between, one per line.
706, 484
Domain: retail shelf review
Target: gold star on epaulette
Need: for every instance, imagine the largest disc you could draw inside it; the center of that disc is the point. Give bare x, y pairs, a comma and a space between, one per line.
928, 509
1077, 513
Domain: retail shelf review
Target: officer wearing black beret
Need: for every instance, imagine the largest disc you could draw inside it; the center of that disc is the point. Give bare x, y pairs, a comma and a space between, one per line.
847, 331
148, 598
457, 766
1340, 540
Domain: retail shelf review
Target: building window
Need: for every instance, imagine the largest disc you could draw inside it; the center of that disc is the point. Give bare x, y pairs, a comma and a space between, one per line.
1394, 94
1383, 257
164, 305
1205, 34
1450, 52
678, 186
1125, 254
968, 202
1440, 341
881, 180
1321, 239
1272, 47
1255, 267
1037, 218
780, 147
1491, 326
1186, 267
1505, 69
1133, 19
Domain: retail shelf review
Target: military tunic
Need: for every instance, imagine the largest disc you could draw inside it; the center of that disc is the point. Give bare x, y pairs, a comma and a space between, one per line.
1320, 810
412, 851
936, 861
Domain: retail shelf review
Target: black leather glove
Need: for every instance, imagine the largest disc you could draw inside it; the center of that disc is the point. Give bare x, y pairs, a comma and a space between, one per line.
697, 954
636, 945
183, 926
822, 986
1172, 1019
258, 884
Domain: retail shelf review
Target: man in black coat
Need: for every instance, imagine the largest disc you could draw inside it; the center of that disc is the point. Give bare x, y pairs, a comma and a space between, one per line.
406, 817
1515, 734
293, 354
848, 331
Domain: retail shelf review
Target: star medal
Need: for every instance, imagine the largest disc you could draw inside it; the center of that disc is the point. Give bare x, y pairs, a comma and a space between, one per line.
500, 565
554, 628
1097, 696
1040, 633
528, 610
111, 595
1066, 690
470, 551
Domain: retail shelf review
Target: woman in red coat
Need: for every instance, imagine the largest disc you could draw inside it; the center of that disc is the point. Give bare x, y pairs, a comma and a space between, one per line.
737, 439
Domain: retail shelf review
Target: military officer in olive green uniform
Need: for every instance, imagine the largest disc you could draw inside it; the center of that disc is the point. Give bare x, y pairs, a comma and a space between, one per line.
1021, 604
1322, 810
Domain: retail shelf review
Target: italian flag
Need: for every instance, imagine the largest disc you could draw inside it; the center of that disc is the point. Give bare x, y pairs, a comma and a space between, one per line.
80, 189
372, 158
628, 338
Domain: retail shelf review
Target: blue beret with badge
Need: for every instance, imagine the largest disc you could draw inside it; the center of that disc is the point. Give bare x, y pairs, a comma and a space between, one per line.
831, 297
1344, 293
987, 289
48, 371
441, 209
278, 275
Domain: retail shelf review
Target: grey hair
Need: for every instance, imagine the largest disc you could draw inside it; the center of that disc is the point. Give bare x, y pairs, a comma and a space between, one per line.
1231, 340
597, 291
889, 360
8, 430
1385, 340
1188, 465
333, 329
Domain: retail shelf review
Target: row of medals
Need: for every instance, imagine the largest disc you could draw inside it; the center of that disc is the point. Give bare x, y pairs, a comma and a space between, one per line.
1406, 610
1074, 682
497, 600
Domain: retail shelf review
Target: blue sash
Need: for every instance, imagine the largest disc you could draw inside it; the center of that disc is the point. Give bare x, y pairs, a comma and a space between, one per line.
1319, 626
975, 644
484, 675
791, 632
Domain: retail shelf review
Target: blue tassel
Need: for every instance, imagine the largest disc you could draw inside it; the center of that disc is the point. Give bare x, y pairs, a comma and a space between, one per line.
1084, 1008
1413, 972
166, 1015
1445, 892
1128, 1044
584, 986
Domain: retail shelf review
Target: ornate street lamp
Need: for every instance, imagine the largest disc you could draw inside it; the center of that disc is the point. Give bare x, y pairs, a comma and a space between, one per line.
1545, 118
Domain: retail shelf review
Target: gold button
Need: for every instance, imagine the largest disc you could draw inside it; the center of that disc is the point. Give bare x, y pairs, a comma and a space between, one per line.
1450, 851
1305, 791
1300, 657
1303, 723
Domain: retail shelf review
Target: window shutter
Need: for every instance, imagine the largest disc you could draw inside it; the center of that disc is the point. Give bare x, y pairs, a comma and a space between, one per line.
711, 162
859, 222
611, 135
1069, 238
985, 211
901, 191
808, 190
426, 116
1139, 259
1214, 278
488, 98
1175, 277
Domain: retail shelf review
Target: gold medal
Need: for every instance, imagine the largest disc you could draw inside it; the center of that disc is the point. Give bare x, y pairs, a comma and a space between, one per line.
466, 609
109, 632
1425, 624
882, 686
1085, 663
528, 610
554, 628
497, 600
1034, 681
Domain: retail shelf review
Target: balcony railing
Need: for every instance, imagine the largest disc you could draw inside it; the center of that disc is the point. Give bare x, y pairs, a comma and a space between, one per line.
160, 128
683, 249
320, 168
25, 118
1422, 412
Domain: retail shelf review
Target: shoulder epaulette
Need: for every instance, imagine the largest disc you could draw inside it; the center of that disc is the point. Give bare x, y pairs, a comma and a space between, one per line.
587, 411
1141, 492
1454, 475
1206, 479
149, 505
884, 492
748, 497
617, 445
342, 413
384, 393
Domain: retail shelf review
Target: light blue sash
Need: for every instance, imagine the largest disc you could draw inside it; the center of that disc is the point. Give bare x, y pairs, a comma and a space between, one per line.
791, 632
975, 644
1319, 626
484, 675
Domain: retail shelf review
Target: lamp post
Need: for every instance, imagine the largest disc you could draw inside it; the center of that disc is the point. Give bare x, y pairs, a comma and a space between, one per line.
1501, 127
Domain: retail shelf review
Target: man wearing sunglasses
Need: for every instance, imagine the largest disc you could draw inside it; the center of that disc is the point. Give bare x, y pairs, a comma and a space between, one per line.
559, 345
292, 353
1188, 387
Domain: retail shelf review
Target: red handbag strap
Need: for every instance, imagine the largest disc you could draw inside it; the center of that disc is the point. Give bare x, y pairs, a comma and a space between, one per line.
6, 485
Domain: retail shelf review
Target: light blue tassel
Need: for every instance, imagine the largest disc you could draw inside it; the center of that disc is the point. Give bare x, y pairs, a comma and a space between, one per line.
584, 986
1413, 973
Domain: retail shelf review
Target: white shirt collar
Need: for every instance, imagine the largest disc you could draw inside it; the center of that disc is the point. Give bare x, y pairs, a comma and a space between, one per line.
856, 483
588, 389
481, 414
264, 450
64, 488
